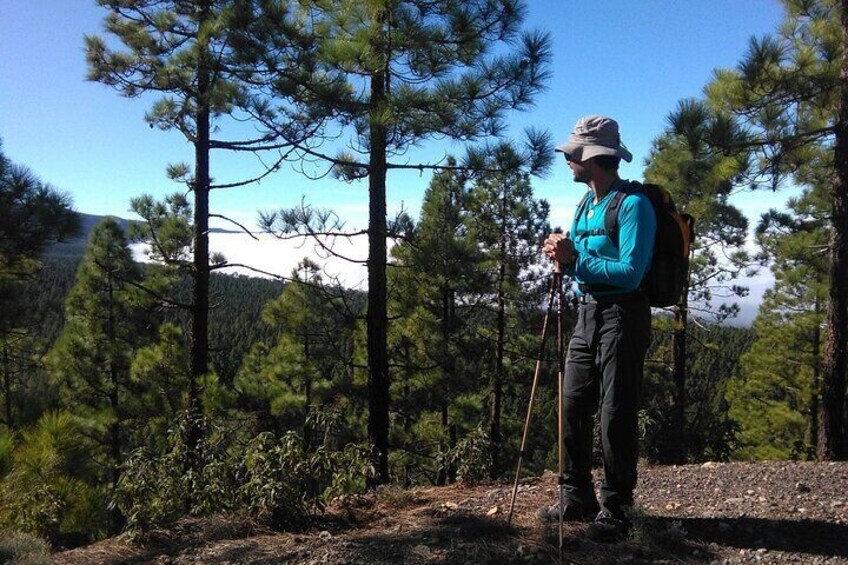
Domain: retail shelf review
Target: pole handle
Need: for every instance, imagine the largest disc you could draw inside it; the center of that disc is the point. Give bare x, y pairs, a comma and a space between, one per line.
557, 267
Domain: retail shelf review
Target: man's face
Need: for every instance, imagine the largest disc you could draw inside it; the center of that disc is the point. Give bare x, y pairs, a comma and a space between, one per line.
582, 170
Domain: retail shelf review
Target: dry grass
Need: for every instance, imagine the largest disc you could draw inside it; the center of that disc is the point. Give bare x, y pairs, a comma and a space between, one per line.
17, 548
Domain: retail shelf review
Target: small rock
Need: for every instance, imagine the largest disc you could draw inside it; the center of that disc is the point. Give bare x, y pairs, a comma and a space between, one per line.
423, 551
451, 505
492, 511
325, 535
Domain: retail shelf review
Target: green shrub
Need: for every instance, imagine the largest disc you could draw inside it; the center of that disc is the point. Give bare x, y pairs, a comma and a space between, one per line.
158, 487
472, 456
273, 480
51, 487
282, 482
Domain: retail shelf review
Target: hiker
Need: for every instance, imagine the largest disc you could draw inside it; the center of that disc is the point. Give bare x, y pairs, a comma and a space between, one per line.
606, 354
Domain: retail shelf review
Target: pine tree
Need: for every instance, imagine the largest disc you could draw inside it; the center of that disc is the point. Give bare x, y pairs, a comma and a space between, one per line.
105, 323
790, 96
32, 214
508, 224
436, 287
300, 371
159, 377
701, 182
52, 488
776, 396
209, 60
401, 72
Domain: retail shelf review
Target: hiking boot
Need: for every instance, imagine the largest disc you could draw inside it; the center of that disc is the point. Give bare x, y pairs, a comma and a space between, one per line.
572, 512
608, 527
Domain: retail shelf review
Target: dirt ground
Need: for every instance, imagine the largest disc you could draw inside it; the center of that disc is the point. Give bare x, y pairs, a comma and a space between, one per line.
717, 513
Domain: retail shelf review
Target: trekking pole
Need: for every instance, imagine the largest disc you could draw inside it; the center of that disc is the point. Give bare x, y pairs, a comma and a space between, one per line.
551, 293
560, 356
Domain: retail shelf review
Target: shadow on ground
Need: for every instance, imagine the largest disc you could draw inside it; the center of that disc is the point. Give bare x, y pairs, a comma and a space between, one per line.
471, 539
812, 537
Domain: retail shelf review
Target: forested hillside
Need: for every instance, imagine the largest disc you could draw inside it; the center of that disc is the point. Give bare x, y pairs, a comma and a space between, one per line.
235, 321
285, 360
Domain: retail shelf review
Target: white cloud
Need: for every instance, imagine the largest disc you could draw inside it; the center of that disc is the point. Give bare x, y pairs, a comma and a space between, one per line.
280, 257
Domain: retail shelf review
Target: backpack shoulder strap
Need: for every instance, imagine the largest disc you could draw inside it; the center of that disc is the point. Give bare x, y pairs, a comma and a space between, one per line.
582, 206
611, 216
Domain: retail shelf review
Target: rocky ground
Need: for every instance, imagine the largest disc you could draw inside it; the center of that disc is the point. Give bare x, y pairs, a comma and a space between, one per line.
711, 513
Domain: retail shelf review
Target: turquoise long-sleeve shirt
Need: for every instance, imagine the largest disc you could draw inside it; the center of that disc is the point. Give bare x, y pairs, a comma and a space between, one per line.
599, 260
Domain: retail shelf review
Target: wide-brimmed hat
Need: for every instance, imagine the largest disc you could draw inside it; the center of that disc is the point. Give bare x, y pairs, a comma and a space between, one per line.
593, 136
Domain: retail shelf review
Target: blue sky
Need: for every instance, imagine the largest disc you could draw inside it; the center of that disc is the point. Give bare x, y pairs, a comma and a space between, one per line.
632, 60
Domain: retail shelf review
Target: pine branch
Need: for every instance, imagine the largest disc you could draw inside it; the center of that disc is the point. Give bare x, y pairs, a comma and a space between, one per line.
243, 228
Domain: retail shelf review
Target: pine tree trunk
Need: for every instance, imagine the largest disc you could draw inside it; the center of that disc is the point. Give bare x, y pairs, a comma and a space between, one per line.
7, 385
679, 339
307, 394
814, 396
449, 377
376, 316
407, 419
832, 437
497, 377
442, 476
199, 336
116, 519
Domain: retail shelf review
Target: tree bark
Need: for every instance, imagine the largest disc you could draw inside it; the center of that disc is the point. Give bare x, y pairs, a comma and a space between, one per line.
376, 315
832, 440
7, 386
814, 397
199, 336
679, 341
497, 377
307, 394
449, 380
116, 519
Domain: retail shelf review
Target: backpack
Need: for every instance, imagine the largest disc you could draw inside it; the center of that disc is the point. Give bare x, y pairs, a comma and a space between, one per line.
668, 276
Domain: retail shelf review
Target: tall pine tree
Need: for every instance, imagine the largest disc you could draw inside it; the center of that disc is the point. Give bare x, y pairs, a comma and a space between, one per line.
105, 322
776, 395
209, 60
436, 290
701, 182
403, 72
790, 95
508, 224
32, 214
